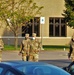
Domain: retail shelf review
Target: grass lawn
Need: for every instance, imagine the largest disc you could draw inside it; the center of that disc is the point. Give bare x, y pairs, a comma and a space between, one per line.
10, 47
47, 47
54, 47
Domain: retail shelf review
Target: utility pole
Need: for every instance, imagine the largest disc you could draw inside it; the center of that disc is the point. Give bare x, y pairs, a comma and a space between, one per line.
42, 22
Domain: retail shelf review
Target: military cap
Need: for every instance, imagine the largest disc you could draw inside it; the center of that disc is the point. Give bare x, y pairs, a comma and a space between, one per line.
26, 35
73, 36
34, 34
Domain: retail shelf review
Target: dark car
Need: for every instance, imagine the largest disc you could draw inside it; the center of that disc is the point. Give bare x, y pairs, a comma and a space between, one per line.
69, 69
29, 68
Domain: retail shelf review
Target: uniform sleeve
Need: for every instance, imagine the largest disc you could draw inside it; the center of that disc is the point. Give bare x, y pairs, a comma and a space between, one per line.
70, 51
21, 47
40, 46
1, 44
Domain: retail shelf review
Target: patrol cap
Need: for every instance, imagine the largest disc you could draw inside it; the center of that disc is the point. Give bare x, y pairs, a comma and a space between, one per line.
34, 34
73, 36
26, 35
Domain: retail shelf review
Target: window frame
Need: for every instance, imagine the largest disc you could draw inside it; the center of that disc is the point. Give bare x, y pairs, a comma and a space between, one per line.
55, 22
34, 27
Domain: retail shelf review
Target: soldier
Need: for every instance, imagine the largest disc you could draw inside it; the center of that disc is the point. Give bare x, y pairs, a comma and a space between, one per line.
71, 52
24, 48
1, 48
35, 48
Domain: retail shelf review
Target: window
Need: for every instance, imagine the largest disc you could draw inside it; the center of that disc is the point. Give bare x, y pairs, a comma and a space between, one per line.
1, 69
32, 27
57, 27
9, 73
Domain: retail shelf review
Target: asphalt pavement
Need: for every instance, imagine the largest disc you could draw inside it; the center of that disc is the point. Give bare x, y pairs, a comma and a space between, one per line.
58, 58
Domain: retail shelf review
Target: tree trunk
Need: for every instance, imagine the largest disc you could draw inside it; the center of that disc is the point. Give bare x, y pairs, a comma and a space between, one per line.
16, 41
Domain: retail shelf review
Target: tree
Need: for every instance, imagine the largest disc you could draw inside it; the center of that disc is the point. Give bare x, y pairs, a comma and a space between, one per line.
69, 12
16, 13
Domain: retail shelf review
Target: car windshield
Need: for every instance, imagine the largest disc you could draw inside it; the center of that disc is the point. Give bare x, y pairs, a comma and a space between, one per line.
72, 67
41, 70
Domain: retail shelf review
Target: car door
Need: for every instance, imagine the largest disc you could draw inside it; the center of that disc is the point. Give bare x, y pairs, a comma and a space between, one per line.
12, 72
1, 70
72, 70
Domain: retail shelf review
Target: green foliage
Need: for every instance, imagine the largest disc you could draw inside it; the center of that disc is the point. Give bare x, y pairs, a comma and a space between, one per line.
11, 47
45, 47
69, 12
16, 13
55, 47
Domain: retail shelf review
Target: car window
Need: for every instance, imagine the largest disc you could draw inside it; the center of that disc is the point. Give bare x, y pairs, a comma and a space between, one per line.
41, 70
72, 67
9, 73
22, 69
38, 70
1, 69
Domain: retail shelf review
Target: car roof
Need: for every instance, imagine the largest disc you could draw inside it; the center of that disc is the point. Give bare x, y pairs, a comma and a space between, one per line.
17, 63
30, 64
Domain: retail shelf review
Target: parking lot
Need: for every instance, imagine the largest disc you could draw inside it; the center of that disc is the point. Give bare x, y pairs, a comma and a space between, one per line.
58, 58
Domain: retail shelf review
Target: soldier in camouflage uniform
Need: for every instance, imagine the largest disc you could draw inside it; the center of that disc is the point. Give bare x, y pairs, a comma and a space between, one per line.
24, 48
1, 48
71, 53
34, 49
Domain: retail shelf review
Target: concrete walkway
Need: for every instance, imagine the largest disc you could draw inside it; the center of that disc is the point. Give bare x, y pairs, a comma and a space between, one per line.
58, 58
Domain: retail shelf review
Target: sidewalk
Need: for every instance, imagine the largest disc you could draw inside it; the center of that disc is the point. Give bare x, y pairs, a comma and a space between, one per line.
58, 58
43, 55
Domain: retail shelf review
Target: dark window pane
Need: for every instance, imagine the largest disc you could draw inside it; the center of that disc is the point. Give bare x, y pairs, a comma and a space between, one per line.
37, 25
57, 27
56, 20
62, 20
51, 30
63, 28
51, 20
56, 30
25, 29
33, 26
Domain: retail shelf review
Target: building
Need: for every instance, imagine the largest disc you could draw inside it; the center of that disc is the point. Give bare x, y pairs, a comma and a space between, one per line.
54, 31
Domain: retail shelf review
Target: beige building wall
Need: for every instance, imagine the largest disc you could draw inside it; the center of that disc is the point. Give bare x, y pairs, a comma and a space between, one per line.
70, 31
52, 8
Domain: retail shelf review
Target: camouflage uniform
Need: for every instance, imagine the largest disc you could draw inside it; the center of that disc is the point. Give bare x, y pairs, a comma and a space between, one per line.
25, 46
35, 48
1, 48
71, 54
71, 51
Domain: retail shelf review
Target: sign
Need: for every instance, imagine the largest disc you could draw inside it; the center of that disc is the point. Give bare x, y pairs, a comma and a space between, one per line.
42, 20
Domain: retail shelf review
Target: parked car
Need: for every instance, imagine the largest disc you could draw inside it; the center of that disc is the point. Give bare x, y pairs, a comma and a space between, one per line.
30, 68
69, 69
